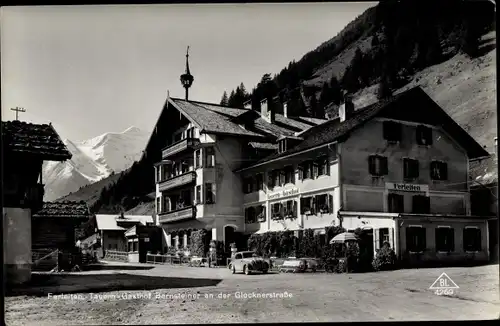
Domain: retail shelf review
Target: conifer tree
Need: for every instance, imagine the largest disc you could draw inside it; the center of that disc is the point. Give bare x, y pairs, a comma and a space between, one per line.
224, 99
336, 90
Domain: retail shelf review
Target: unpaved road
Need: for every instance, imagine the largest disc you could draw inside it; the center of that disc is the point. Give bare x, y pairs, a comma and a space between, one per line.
397, 295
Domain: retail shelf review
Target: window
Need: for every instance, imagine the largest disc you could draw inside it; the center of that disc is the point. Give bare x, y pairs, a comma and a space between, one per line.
184, 166
261, 213
178, 137
209, 193
276, 177
472, 239
307, 205
410, 169
392, 131
130, 246
377, 165
167, 171
289, 175
306, 170
210, 157
289, 208
421, 204
424, 135
174, 241
277, 211
198, 195
396, 203
439, 170
158, 201
383, 236
250, 216
188, 239
135, 246
248, 185
282, 146
415, 239
322, 203
197, 159
260, 181
282, 176
323, 166
445, 239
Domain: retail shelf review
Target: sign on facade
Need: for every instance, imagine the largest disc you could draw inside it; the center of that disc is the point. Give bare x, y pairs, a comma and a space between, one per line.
444, 285
284, 193
406, 187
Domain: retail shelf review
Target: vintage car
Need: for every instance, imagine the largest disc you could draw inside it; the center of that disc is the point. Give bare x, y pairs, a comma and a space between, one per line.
299, 265
248, 262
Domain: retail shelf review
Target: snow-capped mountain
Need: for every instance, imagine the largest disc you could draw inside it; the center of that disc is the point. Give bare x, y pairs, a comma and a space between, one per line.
93, 160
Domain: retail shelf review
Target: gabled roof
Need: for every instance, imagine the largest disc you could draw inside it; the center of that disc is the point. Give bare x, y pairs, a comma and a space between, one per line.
109, 222
418, 107
36, 139
67, 208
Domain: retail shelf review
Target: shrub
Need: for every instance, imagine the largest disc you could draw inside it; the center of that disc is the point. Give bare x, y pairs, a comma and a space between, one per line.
385, 258
200, 240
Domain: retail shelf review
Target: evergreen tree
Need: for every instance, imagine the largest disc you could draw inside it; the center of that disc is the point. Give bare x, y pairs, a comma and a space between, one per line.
336, 90
325, 96
384, 89
230, 100
375, 40
224, 99
313, 106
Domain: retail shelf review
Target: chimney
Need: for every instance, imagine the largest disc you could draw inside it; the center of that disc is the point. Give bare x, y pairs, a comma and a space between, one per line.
346, 110
263, 108
285, 109
267, 111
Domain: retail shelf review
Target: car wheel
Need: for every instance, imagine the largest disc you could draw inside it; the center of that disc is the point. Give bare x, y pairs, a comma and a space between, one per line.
246, 270
230, 266
233, 270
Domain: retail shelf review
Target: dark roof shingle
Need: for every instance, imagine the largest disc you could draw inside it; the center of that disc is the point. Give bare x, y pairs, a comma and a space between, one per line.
37, 139
68, 208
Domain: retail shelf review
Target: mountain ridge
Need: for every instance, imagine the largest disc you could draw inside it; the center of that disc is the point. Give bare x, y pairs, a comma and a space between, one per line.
93, 160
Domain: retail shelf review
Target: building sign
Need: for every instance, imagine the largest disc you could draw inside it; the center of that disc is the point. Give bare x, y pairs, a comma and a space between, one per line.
406, 187
284, 193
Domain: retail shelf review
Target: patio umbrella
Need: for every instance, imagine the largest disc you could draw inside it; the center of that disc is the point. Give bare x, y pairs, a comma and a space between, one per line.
343, 237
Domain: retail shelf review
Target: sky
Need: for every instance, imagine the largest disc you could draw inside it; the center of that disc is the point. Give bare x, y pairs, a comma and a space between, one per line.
95, 69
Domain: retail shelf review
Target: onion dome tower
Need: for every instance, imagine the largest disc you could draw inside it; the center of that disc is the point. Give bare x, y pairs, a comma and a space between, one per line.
186, 78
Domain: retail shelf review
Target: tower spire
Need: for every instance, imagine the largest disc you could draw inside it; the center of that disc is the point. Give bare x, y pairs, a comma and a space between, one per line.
186, 78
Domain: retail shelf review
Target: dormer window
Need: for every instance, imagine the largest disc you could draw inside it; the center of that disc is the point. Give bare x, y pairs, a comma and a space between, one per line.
424, 135
392, 131
282, 146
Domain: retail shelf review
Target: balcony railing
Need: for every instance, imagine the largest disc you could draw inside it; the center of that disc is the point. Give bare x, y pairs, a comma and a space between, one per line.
182, 214
179, 147
177, 181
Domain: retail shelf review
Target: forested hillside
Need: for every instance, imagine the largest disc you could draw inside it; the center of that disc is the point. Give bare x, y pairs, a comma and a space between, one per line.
388, 47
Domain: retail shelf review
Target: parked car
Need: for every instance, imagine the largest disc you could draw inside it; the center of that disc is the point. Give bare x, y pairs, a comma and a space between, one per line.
248, 262
299, 265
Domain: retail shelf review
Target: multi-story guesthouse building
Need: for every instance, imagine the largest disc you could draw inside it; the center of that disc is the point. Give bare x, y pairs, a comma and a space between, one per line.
399, 167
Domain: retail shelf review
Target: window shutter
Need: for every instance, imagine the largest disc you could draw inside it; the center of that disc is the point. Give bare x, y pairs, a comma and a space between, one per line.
415, 169
264, 213
294, 208
327, 162
315, 170
384, 169
406, 168
282, 177
330, 204
313, 206
371, 165
444, 171
376, 239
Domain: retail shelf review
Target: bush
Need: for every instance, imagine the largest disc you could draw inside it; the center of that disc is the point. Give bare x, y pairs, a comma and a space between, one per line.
200, 240
385, 258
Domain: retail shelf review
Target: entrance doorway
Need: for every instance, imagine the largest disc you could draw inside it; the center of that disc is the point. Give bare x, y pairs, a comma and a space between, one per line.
229, 237
366, 247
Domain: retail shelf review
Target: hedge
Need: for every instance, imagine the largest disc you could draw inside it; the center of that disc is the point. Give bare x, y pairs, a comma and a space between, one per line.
200, 243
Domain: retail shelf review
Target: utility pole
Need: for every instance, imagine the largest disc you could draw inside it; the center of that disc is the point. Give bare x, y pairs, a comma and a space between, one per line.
18, 109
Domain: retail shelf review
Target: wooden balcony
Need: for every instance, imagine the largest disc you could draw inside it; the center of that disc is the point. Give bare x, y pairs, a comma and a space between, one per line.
177, 181
185, 213
179, 147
